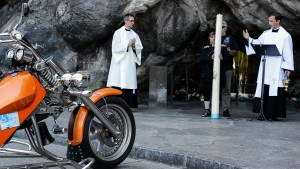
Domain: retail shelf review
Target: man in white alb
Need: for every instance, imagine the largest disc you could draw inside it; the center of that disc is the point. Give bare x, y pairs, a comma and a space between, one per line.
126, 53
276, 68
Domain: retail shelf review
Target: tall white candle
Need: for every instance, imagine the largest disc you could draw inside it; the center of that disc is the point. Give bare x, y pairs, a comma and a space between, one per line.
216, 69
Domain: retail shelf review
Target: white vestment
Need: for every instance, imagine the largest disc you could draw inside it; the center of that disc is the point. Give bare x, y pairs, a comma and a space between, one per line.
274, 65
122, 72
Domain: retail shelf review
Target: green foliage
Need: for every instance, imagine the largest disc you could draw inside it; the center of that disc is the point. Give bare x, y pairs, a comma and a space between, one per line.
294, 97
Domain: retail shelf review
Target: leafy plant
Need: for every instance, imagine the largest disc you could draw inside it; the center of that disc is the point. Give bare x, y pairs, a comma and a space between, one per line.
294, 97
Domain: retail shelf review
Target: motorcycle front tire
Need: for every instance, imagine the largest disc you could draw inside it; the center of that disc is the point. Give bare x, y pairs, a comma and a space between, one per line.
98, 143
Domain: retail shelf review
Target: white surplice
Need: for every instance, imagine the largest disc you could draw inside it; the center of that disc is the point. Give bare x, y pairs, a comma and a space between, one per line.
274, 65
122, 71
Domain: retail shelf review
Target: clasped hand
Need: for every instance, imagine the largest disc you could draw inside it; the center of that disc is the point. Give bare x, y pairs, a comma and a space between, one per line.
220, 56
131, 42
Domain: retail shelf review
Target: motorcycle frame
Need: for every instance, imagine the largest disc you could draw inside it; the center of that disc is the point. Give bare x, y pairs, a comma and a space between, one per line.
88, 101
37, 149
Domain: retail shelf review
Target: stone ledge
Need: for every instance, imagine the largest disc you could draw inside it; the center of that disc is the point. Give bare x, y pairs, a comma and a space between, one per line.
180, 160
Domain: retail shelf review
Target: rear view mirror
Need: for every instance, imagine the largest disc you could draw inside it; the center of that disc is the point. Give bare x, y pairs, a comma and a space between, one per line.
24, 12
25, 9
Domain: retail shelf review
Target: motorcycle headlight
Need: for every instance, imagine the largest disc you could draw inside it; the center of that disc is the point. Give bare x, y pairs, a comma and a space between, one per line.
81, 79
76, 79
19, 54
65, 79
10, 54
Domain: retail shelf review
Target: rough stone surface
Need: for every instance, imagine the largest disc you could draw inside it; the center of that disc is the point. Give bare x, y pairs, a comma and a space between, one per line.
79, 33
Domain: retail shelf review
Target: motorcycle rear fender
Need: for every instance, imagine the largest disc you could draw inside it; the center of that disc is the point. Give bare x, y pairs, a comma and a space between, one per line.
25, 112
77, 120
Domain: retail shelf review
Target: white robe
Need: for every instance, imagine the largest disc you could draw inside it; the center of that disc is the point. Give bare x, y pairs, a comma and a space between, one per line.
122, 72
274, 65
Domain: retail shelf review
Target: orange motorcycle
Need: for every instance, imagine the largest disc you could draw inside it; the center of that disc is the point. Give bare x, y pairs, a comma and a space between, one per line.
101, 128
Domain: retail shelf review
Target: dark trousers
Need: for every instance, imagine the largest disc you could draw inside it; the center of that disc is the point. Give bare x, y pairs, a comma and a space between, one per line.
129, 96
273, 106
207, 94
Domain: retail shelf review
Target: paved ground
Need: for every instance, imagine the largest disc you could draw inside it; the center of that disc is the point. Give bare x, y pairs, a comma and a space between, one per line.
61, 150
177, 135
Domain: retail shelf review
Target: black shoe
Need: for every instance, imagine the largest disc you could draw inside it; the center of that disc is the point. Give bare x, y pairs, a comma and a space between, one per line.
206, 113
226, 113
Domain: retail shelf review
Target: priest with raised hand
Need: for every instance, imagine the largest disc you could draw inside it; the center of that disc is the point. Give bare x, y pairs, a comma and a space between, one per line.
277, 68
126, 53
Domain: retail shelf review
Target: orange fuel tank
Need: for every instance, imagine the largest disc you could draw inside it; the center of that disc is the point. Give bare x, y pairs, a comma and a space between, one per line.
20, 93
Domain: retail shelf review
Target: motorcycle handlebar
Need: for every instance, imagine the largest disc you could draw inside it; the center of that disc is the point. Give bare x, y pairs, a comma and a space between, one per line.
6, 40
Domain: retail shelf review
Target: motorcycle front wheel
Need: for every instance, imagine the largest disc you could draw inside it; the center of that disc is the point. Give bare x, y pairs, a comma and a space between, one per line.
98, 143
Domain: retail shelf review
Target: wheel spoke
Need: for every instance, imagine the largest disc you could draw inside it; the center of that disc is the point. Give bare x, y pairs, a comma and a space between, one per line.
101, 140
100, 146
96, 125
95, 130
95, 136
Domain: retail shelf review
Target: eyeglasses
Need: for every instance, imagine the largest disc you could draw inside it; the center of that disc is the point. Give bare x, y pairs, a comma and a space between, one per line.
130, 20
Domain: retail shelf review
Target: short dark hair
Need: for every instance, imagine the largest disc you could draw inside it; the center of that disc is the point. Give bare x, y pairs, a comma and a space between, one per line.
211, 33
277, 16
126, 16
